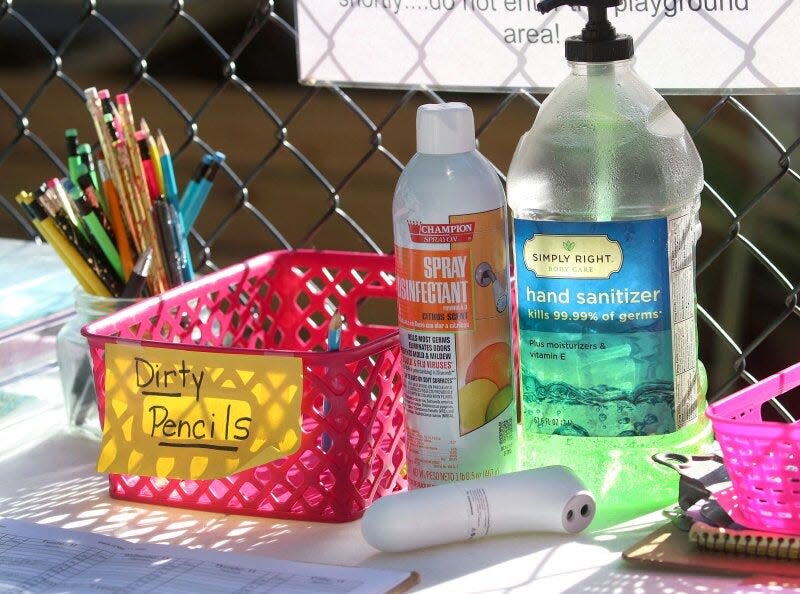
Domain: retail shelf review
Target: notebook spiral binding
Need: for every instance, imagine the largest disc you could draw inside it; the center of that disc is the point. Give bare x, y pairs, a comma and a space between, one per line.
747, 542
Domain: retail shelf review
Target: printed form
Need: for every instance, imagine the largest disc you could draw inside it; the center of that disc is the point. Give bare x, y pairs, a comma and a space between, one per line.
36, 558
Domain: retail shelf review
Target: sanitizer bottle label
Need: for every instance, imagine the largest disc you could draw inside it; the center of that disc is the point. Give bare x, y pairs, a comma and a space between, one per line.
607, 326
453, 313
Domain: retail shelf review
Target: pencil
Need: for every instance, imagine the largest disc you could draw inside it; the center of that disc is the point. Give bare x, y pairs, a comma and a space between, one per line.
105, 100
334, 344
85, 155
147, 165
97, 232
72, 259
87, 251
157, 280
73, 160
117, 221
155, 156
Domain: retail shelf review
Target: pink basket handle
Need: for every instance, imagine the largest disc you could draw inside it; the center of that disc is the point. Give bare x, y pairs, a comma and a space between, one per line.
757, 394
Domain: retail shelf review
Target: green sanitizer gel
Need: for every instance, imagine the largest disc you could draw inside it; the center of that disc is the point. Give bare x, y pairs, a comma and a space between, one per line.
605, 193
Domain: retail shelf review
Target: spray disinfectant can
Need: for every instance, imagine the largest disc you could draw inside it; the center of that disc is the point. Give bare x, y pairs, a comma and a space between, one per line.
451, 247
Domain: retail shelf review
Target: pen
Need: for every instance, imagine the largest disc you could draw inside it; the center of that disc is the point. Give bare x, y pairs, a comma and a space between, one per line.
170, 249
191, 187
171, 190
135, 285
196, 200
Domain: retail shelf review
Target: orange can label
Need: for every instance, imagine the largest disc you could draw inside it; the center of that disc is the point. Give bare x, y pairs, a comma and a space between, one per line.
434, 290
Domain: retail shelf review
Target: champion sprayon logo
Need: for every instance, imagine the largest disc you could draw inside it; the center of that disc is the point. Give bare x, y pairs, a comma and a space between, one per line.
441, 233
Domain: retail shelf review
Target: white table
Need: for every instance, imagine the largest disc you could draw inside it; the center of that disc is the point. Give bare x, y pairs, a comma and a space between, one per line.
51, 480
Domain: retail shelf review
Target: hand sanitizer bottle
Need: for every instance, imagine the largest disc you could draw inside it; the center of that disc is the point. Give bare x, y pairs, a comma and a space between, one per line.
451, 246
605, 193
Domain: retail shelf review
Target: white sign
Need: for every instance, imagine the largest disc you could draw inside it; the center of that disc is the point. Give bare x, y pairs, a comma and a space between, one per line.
710, 46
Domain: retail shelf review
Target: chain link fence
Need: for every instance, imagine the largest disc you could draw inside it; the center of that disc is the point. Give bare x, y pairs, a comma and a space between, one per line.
316, 167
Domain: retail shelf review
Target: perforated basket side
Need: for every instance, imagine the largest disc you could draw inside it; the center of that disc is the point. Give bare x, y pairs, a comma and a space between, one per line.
233, 310
762, 457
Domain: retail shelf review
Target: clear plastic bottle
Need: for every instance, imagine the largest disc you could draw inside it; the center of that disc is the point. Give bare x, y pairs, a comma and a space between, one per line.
451, 245
605, 193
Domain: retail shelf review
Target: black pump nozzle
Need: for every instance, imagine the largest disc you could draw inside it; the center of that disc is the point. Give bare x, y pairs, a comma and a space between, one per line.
598, 42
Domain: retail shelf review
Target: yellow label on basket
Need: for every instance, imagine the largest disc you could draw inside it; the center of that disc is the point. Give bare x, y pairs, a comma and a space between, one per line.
188, 415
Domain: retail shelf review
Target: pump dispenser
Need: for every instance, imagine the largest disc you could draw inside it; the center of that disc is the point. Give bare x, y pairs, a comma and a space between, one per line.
598, 42
605, 194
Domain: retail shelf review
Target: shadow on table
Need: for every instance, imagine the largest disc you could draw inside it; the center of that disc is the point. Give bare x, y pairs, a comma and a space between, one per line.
51, 494
614, 580
550, 560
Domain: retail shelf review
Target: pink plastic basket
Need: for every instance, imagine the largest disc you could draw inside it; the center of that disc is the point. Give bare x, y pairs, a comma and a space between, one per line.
281, 302
762, 457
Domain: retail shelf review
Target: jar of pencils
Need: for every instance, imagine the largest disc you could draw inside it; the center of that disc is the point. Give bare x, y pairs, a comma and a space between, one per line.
75, 368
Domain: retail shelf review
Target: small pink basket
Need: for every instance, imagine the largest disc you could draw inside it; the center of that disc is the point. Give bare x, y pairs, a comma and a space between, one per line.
762, 457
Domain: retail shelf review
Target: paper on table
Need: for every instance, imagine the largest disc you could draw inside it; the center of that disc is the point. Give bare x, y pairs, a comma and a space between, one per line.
36, 558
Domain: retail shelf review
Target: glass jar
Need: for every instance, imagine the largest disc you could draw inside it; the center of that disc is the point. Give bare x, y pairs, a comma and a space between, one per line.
75, 367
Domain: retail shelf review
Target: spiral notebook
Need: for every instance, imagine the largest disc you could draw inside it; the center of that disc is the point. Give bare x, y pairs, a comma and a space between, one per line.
669, 547
747, 542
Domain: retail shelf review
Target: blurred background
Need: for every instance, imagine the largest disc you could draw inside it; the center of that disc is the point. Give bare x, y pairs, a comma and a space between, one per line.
316, 167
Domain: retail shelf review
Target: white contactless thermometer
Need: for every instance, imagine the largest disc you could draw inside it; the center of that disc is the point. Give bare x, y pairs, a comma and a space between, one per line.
550, 499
